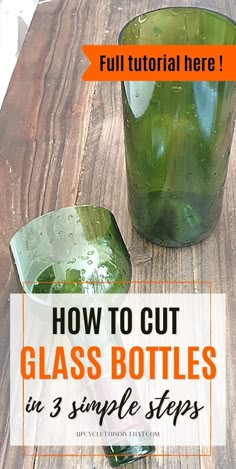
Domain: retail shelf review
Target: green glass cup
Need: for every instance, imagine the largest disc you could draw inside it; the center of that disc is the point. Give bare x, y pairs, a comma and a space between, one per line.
178, 135
72, 250
76, 250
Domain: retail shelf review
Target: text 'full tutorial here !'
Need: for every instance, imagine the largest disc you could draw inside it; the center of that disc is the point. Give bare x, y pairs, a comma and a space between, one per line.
159, 62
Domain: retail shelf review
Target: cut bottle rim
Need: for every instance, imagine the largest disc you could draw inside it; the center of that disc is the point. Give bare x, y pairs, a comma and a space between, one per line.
57, 212
215, 14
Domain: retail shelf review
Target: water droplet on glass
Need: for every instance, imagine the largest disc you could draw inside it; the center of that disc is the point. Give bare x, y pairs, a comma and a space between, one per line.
58, 217
60, 232
142, 18
98, 222
70, 217
70, 235
176, 88
72, 261
83, 271
89, 262
137, 94
90, 253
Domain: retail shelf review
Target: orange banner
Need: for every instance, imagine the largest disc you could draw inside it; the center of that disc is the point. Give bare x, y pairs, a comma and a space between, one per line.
160, 63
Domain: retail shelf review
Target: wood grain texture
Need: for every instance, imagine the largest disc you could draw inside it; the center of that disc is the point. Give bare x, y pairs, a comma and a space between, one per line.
61, 143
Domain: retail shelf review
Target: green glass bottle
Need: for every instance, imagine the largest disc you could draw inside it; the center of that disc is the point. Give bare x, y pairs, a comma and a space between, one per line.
76, 250
177, 134
120, 456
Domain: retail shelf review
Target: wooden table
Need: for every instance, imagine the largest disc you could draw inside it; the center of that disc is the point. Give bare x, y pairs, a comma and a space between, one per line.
61, 144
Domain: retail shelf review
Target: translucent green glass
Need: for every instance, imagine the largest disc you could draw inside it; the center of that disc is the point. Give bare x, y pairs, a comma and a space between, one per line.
177, 134
59, 251
127, 454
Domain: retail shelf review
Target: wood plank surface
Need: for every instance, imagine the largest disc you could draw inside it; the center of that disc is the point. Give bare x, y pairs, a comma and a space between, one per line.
62, 143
